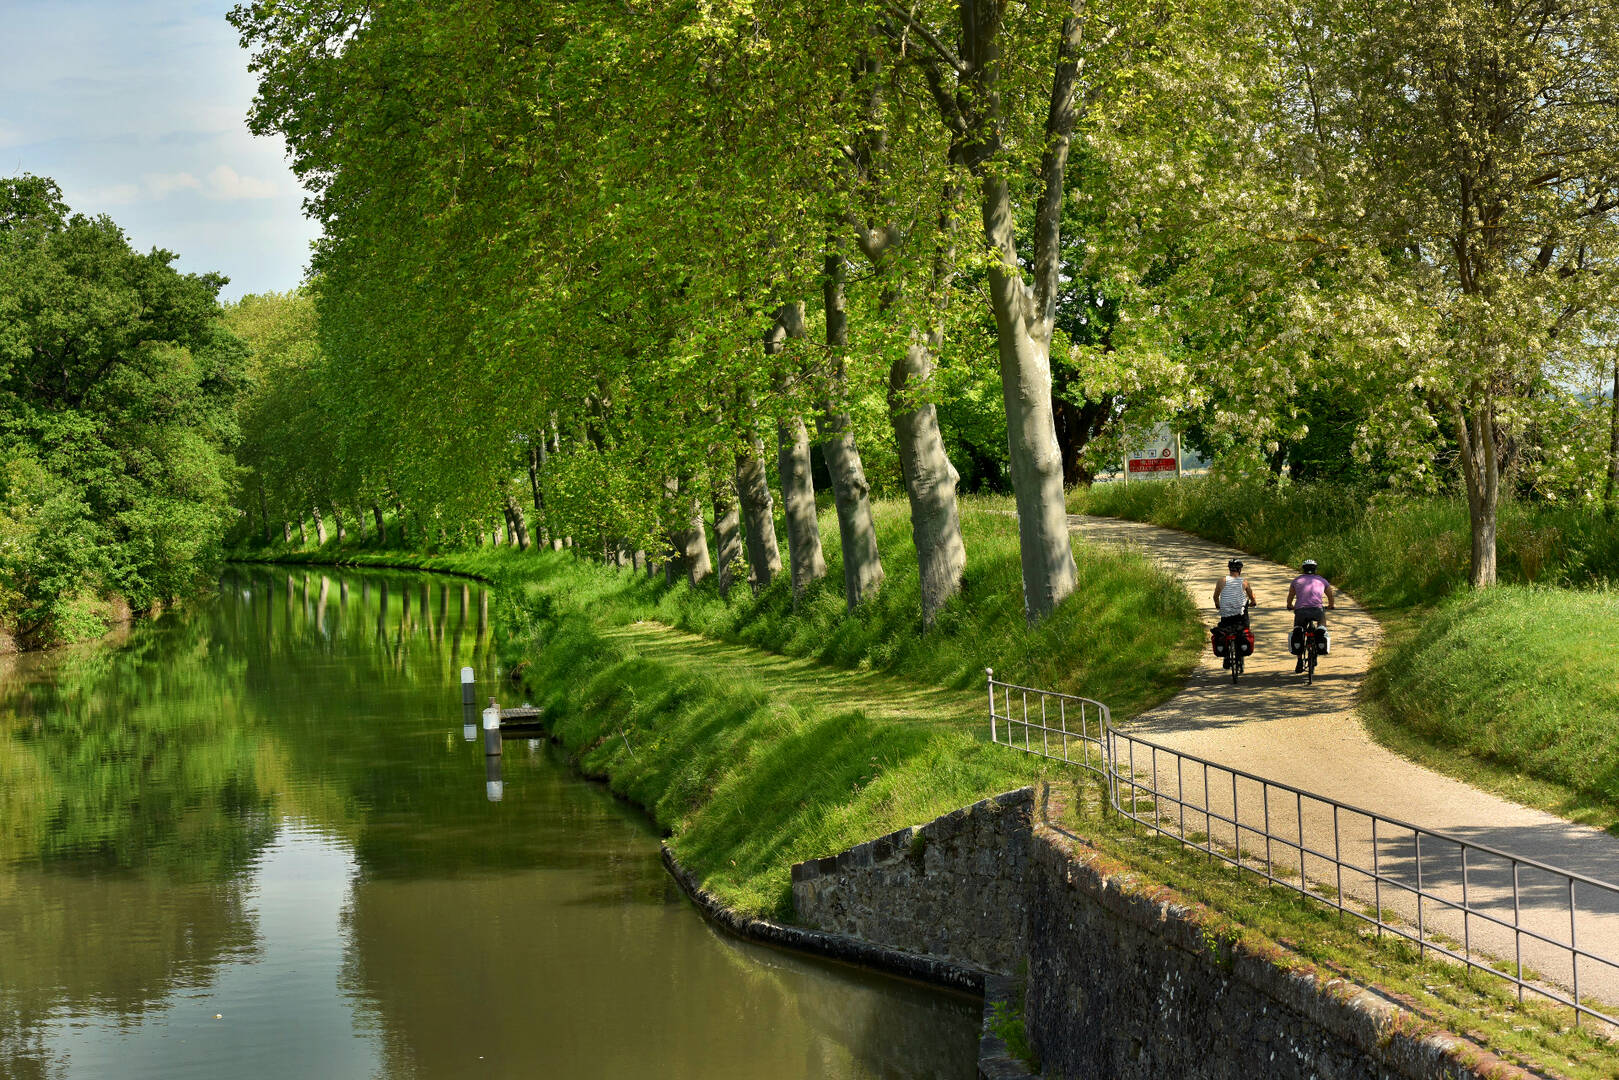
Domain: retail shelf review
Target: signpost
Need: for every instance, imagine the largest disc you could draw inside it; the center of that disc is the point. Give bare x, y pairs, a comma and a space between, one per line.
1158, 455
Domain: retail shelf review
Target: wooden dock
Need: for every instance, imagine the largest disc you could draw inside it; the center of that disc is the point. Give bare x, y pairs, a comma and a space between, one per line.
522, 718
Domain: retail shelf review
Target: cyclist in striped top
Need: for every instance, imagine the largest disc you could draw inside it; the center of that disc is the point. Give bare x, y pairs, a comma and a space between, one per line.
1232, 597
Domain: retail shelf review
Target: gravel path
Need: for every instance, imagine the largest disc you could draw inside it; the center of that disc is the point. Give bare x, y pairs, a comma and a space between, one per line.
1273, 725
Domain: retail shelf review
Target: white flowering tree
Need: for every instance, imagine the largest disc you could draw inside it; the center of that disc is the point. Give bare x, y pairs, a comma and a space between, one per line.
1461, 158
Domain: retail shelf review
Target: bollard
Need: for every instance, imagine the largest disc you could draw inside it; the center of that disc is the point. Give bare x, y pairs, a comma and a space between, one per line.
469, 708
491, 728
493, 786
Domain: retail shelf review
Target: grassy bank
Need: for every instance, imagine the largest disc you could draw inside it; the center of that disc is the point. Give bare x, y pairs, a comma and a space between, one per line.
1511, 688
722, 716
750, 760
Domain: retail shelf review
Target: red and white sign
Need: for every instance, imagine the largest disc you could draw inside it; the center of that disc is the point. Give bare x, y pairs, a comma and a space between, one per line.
1156, 454
1154, 464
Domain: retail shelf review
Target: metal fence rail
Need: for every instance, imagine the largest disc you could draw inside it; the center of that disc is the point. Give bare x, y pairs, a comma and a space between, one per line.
1536, 926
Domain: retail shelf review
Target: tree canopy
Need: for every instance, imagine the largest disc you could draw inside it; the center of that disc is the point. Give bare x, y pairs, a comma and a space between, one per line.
118, 397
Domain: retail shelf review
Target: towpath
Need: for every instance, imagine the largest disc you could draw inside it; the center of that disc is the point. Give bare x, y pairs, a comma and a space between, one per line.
1271, 724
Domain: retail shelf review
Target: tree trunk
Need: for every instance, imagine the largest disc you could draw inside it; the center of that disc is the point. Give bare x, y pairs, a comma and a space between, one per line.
286, 531
382, 529
727, 535
320, 528
303, 537
1047, 556
689, 540
536, 462
1613, 447
516, 514
930, 479
862, 567
1476, 437
758, 513
1024, 315
399, 523
793, 462
337, 520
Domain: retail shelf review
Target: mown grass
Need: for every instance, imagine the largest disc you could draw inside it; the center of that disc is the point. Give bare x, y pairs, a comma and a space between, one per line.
1510, 688
1524, 678
758, 734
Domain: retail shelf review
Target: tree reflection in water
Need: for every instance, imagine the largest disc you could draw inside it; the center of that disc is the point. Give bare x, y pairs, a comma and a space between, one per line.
307, 723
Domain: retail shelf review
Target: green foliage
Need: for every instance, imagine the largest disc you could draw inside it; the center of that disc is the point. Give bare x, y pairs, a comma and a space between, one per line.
117, 413
1006, 1022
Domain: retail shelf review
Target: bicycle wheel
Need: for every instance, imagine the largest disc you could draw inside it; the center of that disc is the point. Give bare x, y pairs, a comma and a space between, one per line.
1309, 658
1236, 659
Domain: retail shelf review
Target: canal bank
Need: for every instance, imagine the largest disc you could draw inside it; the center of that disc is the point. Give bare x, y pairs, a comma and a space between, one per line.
259, 817
732, 759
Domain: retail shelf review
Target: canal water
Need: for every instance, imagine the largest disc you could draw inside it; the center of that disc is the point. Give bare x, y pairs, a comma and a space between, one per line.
251, 841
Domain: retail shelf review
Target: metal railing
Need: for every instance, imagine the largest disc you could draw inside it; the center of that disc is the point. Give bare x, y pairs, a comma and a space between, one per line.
1540, 928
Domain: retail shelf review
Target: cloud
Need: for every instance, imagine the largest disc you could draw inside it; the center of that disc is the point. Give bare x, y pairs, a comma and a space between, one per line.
226, 183
161, 184
222, 184
113, 195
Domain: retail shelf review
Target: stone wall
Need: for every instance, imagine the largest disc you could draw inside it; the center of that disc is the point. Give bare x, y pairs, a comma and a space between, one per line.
1123, 980
953, 888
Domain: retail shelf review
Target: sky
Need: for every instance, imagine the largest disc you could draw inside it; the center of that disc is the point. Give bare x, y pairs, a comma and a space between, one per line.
138, 109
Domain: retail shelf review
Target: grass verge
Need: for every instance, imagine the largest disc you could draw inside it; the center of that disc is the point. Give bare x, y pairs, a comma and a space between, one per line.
759, 735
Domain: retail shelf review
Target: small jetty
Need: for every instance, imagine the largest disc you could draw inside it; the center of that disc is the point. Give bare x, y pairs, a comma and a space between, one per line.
521, 718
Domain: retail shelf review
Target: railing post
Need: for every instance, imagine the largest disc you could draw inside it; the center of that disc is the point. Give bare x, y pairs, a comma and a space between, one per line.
989, 674
1574, 951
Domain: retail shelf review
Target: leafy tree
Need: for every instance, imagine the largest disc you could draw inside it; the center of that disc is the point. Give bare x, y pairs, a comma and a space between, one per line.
118, 390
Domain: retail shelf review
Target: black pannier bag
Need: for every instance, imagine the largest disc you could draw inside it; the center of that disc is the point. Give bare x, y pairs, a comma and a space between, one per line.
1295, 641
1247, 641
1219, 640
1323, 643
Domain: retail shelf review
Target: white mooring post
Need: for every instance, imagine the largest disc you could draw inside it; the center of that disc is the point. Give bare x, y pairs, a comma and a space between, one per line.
491, 728
493, 786
469, 707
989, 674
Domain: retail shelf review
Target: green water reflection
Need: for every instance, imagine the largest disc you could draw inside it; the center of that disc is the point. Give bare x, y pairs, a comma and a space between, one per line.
252, 839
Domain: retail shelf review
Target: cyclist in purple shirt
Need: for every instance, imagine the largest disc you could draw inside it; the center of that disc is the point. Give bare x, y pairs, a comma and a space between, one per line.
1304, 600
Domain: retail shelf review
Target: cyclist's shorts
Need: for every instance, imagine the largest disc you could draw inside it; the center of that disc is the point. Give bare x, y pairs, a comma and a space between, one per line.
1305, 614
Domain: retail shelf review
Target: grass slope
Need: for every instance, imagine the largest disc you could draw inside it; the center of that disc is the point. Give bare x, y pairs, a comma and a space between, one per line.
1511, 688
758, 735
751, 760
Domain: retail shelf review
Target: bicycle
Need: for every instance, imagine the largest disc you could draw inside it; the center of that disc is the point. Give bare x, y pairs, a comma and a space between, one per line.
1311, 641
1234, 639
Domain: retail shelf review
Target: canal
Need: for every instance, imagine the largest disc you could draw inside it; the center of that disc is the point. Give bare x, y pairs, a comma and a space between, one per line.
250, 840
